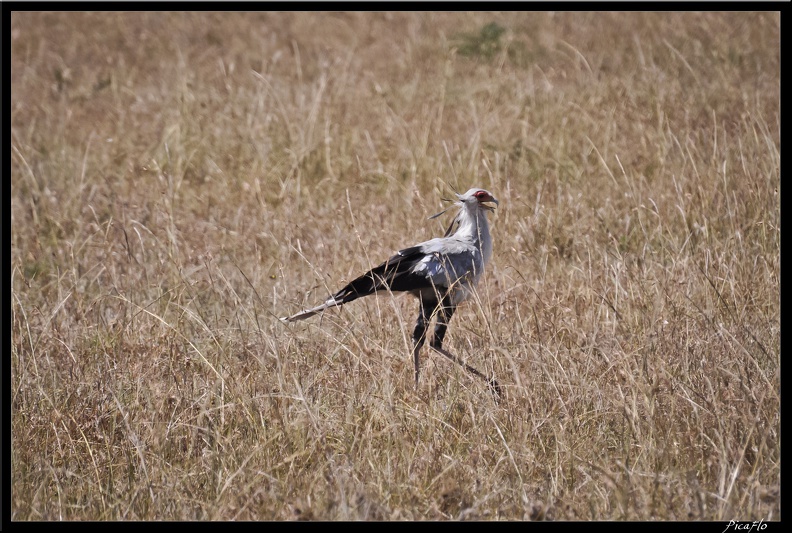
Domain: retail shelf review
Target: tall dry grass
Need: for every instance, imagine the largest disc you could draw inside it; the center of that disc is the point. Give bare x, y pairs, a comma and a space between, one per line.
179, 180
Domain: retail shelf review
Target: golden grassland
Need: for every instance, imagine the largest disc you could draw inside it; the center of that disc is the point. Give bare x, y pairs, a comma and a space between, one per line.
181, 180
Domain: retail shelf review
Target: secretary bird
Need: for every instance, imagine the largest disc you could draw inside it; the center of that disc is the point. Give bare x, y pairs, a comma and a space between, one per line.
441, 273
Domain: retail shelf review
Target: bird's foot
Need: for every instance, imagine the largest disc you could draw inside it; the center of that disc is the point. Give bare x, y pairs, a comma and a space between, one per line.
496, 389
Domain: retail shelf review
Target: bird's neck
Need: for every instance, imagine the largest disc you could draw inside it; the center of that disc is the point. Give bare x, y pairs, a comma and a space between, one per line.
473, 226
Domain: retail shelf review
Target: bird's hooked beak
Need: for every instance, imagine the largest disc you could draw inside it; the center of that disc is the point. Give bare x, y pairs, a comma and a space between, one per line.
487, 204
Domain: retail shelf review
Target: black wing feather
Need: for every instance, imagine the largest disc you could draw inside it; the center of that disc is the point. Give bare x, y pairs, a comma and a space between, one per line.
394, 274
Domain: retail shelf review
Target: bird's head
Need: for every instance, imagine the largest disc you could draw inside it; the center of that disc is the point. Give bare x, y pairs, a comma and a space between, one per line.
479, 198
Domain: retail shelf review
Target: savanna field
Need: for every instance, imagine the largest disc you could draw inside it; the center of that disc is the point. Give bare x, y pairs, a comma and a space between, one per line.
180, 181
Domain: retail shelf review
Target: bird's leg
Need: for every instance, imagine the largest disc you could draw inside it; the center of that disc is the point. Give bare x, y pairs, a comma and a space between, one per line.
419, 336
443, 317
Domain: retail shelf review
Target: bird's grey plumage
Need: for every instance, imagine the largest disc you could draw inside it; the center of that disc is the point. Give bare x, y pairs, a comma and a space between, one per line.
442, 272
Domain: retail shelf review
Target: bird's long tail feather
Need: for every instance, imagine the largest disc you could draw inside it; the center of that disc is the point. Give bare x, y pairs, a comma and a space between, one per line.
390, 275
368, 283
307, 313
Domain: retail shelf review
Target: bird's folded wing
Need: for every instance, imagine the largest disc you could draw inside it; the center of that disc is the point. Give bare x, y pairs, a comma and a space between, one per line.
436, 264
393, 274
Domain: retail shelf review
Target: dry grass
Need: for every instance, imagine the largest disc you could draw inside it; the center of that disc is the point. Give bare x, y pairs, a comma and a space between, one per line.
178, 180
